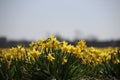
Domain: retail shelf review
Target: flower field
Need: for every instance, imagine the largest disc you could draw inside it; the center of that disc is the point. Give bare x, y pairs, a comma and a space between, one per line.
50, 59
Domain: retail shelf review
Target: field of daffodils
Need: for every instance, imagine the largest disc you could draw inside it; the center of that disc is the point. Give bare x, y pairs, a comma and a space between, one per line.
50, 59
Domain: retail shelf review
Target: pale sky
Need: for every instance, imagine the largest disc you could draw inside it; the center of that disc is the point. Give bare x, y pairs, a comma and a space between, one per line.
36, 19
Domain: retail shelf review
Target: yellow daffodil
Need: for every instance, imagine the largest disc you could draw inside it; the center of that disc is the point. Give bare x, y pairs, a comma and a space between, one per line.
35, 53
64, 60
50, 57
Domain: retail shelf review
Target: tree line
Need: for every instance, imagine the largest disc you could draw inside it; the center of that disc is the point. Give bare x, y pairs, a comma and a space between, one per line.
4, 43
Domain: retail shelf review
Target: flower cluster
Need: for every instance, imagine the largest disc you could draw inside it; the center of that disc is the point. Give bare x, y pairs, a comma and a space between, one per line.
49, 59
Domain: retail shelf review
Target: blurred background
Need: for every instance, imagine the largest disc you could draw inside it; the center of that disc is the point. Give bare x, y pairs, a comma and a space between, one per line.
96, 21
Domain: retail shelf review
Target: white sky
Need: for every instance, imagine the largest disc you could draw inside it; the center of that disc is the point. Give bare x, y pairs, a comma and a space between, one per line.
35, 19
